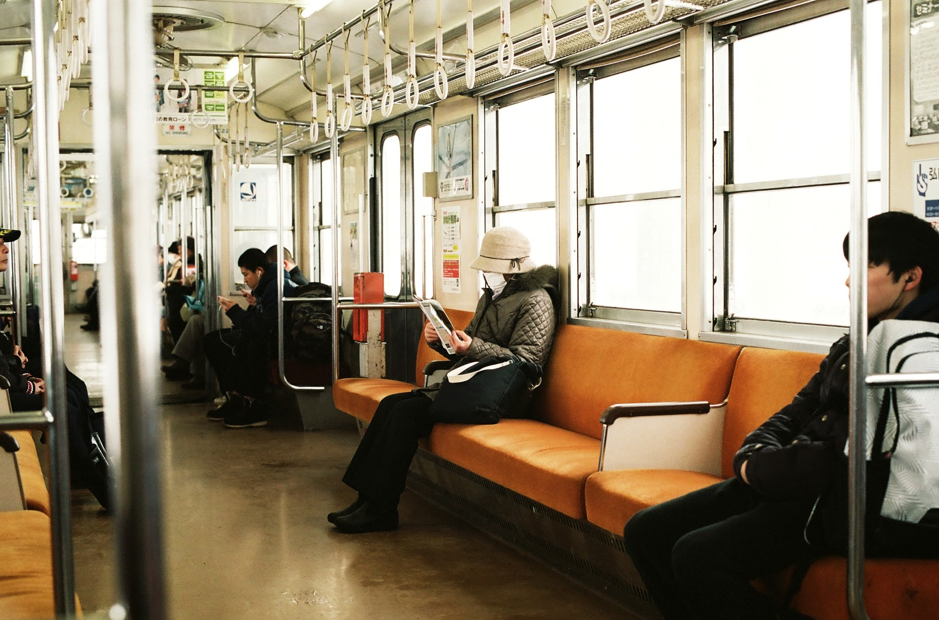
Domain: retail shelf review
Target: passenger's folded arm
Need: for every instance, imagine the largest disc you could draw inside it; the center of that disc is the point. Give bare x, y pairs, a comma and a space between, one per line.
800, 470
531, 335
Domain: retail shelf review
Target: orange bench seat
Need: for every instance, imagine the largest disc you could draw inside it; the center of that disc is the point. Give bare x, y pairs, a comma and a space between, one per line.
34, 484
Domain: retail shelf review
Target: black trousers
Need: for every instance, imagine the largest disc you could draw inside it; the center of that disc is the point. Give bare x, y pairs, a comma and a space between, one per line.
240, 365
698, 553
379, 468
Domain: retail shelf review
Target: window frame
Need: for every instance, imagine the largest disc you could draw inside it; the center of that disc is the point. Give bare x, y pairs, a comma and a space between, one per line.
657, 322
317, 228
718, 325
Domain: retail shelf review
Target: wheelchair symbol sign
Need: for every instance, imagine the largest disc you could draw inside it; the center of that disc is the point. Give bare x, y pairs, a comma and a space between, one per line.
249, 191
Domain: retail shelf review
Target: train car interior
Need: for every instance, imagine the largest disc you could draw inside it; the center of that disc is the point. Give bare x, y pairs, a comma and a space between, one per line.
243, 241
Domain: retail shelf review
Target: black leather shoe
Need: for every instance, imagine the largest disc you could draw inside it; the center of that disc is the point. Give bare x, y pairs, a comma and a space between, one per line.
368, 519
345, 512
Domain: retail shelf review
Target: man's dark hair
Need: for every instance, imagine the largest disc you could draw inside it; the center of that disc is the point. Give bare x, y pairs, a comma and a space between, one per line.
272, 254
903, 241
252, 259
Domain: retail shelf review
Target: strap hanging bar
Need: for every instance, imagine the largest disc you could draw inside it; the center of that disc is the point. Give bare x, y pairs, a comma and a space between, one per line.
240, 83
441, 85
169, 92
411, 89
330, 118
549, 42
470, 69
388, 94
602, 34
656, 14
314, 112
345, 121
366, 75
506, 57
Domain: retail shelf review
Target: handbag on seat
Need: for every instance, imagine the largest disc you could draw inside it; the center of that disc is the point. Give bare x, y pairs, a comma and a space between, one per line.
485, 391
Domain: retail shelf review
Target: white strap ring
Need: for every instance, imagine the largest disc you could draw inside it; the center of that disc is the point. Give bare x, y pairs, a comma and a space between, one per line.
314, 131
441, 84
233, 92
345, 121
367, 110
85, 117
169, 93
506, 58
330, 125
387, 101
604, 8
200, 119
655, 15
411, 92
549, 41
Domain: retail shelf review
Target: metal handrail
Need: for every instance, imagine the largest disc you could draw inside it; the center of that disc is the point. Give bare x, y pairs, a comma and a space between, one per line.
10, 213
52, 296
126, 168
858, 251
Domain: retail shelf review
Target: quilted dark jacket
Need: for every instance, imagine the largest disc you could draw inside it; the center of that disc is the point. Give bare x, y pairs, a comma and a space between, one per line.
520, 322
796, 452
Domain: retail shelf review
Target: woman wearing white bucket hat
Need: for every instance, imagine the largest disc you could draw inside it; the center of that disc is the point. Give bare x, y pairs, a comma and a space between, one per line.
515, 316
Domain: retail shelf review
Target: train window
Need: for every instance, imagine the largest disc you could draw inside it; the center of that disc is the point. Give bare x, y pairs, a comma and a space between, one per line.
254, 210
422, 143
322, 196
632, 214
526, 148
783, 196
391, 233
89, 245
540, 226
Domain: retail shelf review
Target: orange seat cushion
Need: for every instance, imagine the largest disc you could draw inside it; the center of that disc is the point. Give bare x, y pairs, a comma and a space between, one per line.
613, 497
34, 485
893, 588
547, 464
360, 397
765, 381
26, 587
591, 369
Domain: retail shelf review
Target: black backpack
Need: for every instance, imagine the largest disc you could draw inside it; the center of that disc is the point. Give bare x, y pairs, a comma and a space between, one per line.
309, 333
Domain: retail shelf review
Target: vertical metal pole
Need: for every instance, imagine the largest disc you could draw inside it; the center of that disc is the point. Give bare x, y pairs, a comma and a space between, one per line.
279, 263
125, 145
337, 315
52, 295
184, 219
11, 217
858, 335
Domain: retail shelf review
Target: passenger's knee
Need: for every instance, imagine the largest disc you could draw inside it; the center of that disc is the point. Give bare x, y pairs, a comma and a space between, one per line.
691, 555
638, 531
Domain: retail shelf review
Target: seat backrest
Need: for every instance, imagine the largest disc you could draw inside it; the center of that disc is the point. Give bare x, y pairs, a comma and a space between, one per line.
460, 319
592, 368
765, 381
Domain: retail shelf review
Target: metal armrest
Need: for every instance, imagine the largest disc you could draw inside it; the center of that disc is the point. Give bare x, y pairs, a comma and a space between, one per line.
4, 383
632, 410
436, 365
684, 436
8, 442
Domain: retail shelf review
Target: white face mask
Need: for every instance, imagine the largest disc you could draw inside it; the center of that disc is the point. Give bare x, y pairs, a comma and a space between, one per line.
495, 282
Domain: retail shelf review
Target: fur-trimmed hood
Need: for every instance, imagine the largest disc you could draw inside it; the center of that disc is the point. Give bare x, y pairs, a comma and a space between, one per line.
545, 277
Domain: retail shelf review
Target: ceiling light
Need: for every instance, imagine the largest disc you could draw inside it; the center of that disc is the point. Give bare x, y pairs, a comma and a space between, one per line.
312, 7
26, 68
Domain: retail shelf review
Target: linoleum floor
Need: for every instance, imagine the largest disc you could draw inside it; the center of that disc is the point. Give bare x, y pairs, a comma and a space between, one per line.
246, 537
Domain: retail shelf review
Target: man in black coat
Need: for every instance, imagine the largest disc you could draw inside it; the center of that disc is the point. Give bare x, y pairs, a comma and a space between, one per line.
697, 554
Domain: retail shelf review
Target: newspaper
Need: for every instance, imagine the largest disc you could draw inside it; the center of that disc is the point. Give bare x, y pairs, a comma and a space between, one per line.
439, 319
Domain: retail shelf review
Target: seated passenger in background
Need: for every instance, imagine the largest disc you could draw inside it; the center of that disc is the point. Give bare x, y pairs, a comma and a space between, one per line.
698, 554
240, 356
26, 394
515, 316
290, 266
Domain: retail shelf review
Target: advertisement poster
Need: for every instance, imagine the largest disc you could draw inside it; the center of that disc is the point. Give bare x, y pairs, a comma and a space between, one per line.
455, 160
923, 71
926, 190
451, 249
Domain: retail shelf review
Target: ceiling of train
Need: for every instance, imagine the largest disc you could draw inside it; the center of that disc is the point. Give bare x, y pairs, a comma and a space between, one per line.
268, 26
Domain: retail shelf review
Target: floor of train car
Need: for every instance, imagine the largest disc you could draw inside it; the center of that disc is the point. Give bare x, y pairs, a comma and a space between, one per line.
246, 536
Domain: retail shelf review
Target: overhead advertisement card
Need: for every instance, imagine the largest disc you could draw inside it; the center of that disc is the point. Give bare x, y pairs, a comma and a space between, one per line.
199, 108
